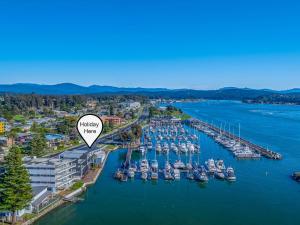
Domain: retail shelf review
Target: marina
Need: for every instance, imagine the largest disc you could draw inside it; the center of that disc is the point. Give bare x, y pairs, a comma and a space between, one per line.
170, 137
241, 148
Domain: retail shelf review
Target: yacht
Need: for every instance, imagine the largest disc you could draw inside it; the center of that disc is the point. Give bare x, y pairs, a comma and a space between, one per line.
167, 171
230, 176
154, 175
219, 174
203, 177
144, 175
118, 174
179, 164
131, 172
210, 165
144, 165
154, 165
220, 164
158, 148
176, 173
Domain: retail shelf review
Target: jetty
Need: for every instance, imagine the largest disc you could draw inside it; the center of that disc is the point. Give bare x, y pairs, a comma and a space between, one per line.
128, 157
217, 133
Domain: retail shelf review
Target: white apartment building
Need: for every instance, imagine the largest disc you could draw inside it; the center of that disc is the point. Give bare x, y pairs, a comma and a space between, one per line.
54, 173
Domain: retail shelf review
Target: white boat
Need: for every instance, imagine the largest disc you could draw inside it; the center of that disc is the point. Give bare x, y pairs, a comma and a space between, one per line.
219, 175
154, 165
203, 177
154, 175
176, 173
144, 165
210, 165
220, 164
179, 164
158, 148
230, 176
131, 172
144, 175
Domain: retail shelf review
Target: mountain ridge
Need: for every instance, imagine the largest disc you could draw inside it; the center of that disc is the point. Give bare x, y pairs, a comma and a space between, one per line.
75, 89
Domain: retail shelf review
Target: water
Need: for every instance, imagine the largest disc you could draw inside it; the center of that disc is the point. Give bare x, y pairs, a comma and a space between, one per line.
262, 194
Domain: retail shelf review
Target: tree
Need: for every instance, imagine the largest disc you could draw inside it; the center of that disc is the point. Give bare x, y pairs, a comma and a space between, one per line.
13, 134
15, 189
135, 133
124, 136
106, 127
111, 110
34, 127
38, 145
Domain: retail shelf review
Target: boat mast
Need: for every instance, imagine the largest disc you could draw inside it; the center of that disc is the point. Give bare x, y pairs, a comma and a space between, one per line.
239, 133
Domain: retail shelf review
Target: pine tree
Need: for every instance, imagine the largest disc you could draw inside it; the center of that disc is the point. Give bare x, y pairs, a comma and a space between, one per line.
38, 145
15, 188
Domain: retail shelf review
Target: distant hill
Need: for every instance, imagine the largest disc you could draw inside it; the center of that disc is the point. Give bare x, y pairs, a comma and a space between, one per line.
68, 88
226, 93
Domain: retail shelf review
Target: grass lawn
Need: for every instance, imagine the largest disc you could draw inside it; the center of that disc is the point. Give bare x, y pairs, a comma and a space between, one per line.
18, 118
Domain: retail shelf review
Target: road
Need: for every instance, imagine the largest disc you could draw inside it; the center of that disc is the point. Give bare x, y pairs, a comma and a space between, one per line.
108, 137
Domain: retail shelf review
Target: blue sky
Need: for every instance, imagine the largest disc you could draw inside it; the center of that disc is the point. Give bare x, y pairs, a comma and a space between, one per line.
176, 44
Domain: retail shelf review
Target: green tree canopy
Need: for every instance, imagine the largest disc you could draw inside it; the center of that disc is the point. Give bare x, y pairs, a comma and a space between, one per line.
38, 145
15, 189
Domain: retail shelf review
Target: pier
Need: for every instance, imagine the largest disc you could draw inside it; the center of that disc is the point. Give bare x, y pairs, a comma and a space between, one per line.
204, 127
128, 158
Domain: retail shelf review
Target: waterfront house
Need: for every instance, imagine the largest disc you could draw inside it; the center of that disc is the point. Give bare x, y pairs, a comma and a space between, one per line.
97, 157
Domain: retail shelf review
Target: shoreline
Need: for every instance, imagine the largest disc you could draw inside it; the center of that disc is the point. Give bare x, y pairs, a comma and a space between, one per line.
73, 194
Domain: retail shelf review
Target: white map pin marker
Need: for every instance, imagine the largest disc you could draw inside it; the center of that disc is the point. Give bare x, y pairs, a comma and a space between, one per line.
89, 127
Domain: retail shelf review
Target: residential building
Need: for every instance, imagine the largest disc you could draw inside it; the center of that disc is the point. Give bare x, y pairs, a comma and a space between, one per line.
23, 138
81, 159
131, 105
56, 174
91, 104
115, 120
84, 159
54, 140
3, 123
41, 199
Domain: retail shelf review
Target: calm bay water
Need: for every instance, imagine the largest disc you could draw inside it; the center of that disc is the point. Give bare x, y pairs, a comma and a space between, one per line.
263, 193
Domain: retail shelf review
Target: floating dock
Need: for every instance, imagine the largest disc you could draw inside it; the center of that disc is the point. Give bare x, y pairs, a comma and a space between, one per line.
202, 126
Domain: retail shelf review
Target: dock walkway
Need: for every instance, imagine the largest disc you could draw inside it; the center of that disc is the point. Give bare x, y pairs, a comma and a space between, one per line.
261, 150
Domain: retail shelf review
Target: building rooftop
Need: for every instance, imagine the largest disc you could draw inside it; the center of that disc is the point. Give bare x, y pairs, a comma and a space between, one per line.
73, 154
51, 137
37, 190
46, 161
